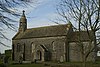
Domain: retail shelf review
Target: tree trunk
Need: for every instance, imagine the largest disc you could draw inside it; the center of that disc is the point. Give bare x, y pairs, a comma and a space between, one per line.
84, 61
95, 49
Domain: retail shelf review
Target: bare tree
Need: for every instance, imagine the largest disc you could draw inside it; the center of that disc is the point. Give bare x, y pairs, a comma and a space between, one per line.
86, 14
7, 14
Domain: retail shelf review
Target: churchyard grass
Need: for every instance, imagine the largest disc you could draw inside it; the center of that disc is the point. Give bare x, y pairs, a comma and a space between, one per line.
53, 64
25, 65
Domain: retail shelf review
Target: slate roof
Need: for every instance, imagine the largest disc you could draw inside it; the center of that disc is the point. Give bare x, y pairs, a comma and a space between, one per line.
56, 30
83, 36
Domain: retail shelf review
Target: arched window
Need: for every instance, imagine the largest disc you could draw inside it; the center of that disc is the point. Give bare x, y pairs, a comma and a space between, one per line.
18, 47
13, 47
33, 47
13, 51
24, 53
53, 45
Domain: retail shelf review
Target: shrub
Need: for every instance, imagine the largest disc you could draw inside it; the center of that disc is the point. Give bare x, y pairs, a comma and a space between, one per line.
3, 65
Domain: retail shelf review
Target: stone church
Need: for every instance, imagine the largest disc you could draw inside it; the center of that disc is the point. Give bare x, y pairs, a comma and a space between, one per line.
49, 43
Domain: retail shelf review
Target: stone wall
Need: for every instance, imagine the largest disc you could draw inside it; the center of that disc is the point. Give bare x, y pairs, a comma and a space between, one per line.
75, 51
55, 45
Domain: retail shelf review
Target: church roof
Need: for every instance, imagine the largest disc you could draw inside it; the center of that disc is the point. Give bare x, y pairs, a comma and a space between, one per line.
48, 31
82, 34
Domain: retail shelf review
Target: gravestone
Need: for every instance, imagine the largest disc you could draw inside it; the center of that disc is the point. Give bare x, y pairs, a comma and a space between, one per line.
61, 59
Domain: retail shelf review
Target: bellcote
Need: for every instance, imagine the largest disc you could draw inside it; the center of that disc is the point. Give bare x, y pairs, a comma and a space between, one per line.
23, 23
23, 17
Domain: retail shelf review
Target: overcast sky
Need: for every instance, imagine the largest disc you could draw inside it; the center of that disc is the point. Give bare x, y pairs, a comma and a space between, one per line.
39, 15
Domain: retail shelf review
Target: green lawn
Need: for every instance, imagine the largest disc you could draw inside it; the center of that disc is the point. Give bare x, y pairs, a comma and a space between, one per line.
54, 64
26, 65
73, 64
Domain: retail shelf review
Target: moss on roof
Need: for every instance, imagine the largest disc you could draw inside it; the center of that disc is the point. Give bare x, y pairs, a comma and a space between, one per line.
56, 30
82, 34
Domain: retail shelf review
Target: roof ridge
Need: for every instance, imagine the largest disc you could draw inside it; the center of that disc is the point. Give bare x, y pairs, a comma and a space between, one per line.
47, 26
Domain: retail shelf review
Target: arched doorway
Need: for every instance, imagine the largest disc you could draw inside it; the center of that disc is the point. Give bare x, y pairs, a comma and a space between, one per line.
39, 55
